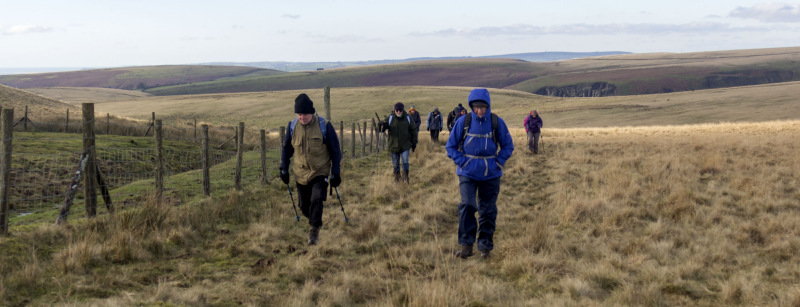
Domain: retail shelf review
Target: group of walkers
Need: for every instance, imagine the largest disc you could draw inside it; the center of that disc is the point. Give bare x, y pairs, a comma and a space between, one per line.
479, 145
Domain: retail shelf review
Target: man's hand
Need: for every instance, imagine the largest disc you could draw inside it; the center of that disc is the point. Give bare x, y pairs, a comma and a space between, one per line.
413, 147
285, 176
336, 180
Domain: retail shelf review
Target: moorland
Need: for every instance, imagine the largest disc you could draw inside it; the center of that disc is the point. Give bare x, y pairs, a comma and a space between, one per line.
681, 198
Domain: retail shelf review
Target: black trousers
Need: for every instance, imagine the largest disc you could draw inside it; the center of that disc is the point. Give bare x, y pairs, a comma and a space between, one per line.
435, 135
312, 198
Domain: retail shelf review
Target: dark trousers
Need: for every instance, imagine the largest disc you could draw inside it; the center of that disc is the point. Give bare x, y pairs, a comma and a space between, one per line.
533, 141
312, 198
435, 135
480, 197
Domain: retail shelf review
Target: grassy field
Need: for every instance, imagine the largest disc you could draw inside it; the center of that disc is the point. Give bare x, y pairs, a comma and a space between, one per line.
658, 216
269, 110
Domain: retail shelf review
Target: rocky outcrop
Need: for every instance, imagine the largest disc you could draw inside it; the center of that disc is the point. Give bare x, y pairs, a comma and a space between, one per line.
596, 89
749, 77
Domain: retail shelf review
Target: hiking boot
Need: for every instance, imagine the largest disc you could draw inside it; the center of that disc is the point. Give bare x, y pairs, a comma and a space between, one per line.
405, 176
485, 254
313, 236
397, 177
465, 252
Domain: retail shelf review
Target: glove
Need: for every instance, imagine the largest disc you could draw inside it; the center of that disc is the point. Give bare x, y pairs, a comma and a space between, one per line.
336, 180
285, 176
413, 147
429, 129
440, 129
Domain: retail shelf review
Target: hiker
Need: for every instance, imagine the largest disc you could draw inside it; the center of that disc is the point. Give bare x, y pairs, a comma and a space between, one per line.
533, 125
318, 156
453, 116
434, 124
402, 138
473, 145
414, 115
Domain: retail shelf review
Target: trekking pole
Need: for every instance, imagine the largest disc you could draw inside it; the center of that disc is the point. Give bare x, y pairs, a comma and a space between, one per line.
346, 220
297, 217
541, 140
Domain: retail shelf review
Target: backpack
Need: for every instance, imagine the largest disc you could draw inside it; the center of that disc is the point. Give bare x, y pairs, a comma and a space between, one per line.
392, 116
322, 127
468, 121
530, 124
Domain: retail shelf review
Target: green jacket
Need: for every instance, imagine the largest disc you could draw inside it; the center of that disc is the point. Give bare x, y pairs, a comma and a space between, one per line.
402, 133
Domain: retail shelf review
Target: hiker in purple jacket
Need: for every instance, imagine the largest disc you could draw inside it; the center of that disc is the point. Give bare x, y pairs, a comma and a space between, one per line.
533, 126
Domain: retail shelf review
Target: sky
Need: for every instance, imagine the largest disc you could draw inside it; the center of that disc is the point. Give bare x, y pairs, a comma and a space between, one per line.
107, 33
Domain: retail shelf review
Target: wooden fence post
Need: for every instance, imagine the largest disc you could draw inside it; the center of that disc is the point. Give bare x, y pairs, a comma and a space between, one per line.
194, 139
263, 156
66, 123
328, 103
7, 119
206, 164
362, 135
159, 171
90, 174
372, 135
282, 136
108, 123
237, 181
341, 137
354, 140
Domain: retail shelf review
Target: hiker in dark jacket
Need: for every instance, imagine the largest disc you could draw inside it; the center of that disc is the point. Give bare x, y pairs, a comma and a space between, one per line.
453, 116
480, 153
415, 118
318, 156
533, 125
402, 138
435, 124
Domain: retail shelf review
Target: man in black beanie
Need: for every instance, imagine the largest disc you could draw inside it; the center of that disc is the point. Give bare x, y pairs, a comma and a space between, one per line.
402, 137
319, 158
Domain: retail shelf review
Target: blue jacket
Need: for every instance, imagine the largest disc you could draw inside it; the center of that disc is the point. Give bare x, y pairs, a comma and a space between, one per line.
480, 159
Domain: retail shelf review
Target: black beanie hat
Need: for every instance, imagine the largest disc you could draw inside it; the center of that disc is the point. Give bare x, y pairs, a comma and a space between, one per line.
399, 106
304, 105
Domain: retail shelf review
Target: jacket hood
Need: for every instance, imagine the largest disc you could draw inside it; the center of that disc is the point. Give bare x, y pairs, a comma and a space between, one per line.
480, 94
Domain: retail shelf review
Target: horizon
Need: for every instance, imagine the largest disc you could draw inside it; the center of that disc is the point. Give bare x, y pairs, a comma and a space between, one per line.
49, 33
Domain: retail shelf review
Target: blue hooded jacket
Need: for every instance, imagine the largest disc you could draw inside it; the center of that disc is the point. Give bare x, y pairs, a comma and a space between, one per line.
480, 159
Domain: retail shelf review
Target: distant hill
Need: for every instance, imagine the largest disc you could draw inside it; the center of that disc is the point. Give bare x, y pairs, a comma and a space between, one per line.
595, 76
129, 78
38, 106
305, 66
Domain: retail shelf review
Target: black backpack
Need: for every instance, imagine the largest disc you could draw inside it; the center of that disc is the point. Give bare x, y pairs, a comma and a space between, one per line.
468, 121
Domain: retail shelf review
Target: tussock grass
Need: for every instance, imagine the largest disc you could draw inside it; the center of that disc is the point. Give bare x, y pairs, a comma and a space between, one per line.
681, 215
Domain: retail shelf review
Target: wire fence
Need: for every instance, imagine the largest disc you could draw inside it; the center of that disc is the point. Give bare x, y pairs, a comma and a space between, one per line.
44, 157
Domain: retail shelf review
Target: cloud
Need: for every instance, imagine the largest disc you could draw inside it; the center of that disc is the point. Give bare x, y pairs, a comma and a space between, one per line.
291, 16
588, 29
769, 12
24, 29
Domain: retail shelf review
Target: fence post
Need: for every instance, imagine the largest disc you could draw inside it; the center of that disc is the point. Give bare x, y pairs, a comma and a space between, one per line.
328, 103
372, 135
263, 155
282, 136
90, 179
362, 133
237, 181
159, 160
108, 123
195, 131
206, 164
7, 119
66, 123
354, 140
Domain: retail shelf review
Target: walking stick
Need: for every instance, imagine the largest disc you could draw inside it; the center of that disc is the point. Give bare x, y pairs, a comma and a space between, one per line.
346, 220
297, 217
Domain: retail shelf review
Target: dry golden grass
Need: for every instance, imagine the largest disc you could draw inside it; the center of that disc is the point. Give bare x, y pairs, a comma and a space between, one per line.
679, 215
